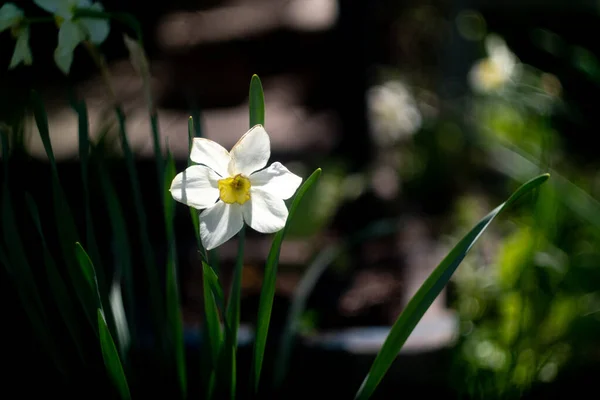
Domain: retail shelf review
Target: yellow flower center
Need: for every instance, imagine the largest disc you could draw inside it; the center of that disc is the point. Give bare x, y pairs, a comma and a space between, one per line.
235, 189
491, 74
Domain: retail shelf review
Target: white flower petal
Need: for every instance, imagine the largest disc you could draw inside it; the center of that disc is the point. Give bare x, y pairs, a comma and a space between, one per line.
22, 51
277, 180
196, 187
50, 5
220, 223
9, 15
264, 212
97, 28
69, 36
211, 154
251, 152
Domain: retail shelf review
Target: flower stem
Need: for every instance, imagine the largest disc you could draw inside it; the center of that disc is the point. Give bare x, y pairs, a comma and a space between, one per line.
37, 20
233, 312
100, 62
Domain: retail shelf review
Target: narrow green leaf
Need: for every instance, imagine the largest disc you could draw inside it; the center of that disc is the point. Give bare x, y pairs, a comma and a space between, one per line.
257, 102
41, 120
122, 252
158, 157
84, 148
111, 358
59, 289
267, 293
174, 317
156, 295
67, 230
16, 264
215, 335
89, 273
232, 320
427, 293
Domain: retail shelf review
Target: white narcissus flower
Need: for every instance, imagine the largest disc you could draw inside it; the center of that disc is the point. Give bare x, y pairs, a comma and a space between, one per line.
233, 187
393, 113
498, 68
73, 31
12, 17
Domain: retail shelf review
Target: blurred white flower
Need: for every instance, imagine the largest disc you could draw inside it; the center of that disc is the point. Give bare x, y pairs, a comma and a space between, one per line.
233, 187
12, 17
392, 112
499, 67
73, 31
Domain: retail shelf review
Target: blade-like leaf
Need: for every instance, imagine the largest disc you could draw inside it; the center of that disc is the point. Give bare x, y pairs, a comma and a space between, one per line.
215, 335
431, 288
67, 230
84, 148
257, 102
174, 317
111, 358
89, 273
267, 293
232, 320
59, 289
122, 253
156, 295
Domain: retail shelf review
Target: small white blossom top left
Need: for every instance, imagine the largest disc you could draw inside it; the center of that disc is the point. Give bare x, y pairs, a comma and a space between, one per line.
73, 31
12, 17
234, 187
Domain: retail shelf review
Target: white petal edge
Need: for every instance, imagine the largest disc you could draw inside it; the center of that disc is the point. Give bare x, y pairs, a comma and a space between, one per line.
264, 212
97, 29
251, 152
196, 187
276, 180
69, 36
9, 16
220, 223
49, 5
22, 51
211, 154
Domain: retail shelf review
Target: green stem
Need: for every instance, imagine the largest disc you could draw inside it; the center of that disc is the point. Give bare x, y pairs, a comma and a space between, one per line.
233, 312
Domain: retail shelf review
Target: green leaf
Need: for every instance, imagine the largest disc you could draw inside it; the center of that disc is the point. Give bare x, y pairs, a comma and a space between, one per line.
89, 273
67, 231
232, 320
122, 256
111, 358
215, 335
257, 102
431, 288
174, 317
59, 289
84, 148
267, 293
155, 292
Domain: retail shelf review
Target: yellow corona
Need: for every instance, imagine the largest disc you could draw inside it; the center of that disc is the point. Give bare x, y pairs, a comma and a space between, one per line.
235, 189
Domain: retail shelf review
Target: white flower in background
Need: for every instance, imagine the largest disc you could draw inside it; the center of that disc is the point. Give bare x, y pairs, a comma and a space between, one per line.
393, 113
499, 67
12, 17
233, 187
73, 31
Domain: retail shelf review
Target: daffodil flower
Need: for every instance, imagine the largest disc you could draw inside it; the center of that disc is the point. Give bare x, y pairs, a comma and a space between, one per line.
12, 17
235, 187
73, 31
498, 68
